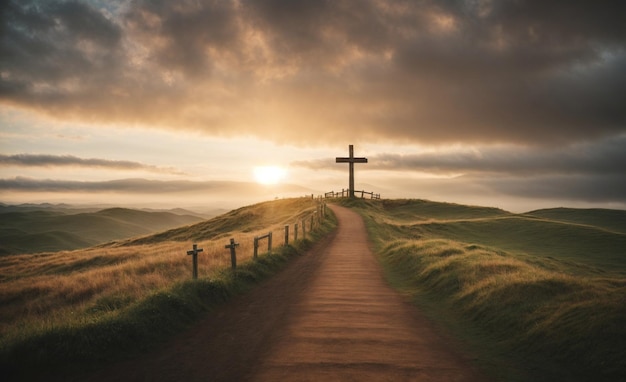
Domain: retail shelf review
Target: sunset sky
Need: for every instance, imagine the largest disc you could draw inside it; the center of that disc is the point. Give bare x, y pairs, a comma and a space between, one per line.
513, 104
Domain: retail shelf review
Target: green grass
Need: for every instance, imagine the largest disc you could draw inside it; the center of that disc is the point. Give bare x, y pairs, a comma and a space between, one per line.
612, 220
94, 325
533, 298
571, 244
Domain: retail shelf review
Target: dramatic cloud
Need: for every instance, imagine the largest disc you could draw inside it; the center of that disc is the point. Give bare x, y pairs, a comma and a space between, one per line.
30, 160
604, 157
594, 188
426, 71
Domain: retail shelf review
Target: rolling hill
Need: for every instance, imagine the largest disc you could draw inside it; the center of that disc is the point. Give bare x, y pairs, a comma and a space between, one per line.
545, 288
244, 219
611, 220
37, 230
589, 238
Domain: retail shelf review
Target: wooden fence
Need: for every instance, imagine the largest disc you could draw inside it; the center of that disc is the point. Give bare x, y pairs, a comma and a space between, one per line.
346, 193
312, 220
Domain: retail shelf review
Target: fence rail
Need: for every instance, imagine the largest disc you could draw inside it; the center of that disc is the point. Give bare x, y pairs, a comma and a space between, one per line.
315, 217
346, 193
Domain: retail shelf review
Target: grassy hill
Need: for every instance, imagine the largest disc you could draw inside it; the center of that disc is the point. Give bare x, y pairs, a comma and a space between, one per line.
243, 219
583, 247
611, 220
79, 309
536, 296
31, 231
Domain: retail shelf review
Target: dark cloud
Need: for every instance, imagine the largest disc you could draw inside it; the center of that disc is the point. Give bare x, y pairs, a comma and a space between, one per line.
604, 157
589, 188
46, 45
32, 160
423, 71
185, 35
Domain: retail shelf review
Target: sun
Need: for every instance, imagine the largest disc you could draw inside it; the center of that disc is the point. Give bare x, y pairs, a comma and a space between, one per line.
269, 174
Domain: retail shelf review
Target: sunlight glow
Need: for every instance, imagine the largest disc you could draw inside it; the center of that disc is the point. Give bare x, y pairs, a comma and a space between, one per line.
269, 174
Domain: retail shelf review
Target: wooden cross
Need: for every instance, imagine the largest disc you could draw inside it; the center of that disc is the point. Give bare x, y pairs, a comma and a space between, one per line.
351, 160
233, 254
194, 252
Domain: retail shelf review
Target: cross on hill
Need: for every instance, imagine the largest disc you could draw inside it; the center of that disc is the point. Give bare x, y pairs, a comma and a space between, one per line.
351, 160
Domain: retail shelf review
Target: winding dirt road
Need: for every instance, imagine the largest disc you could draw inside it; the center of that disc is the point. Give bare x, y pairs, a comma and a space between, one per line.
329, 316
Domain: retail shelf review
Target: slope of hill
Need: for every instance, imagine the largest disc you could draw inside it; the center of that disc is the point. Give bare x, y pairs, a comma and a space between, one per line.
245, 219
544, 289
572, 244
612, 220
407, 210
52, 230
586, 237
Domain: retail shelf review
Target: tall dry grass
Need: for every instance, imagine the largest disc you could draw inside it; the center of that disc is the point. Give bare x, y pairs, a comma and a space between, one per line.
44, 290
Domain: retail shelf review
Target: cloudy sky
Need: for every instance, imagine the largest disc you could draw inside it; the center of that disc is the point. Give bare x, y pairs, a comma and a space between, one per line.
515, 104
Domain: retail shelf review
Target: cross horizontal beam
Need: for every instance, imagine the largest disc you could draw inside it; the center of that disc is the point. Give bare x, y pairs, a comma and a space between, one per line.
350, 160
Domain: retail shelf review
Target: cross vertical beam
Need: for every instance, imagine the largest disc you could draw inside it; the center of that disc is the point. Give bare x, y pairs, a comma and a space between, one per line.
351, 160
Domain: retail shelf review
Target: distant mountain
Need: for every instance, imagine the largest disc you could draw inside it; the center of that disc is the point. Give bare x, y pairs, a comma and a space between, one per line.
182, 211
29, 230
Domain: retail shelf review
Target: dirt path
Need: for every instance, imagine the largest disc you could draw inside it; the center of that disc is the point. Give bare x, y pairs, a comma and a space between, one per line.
328, 317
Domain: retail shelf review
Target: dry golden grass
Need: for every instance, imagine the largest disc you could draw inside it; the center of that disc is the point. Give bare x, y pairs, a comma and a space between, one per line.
38, 291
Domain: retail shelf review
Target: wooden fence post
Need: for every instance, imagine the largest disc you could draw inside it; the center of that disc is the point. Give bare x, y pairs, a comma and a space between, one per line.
287, 234
295, 232
256, 246
233, 254
194, 254
269, 242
